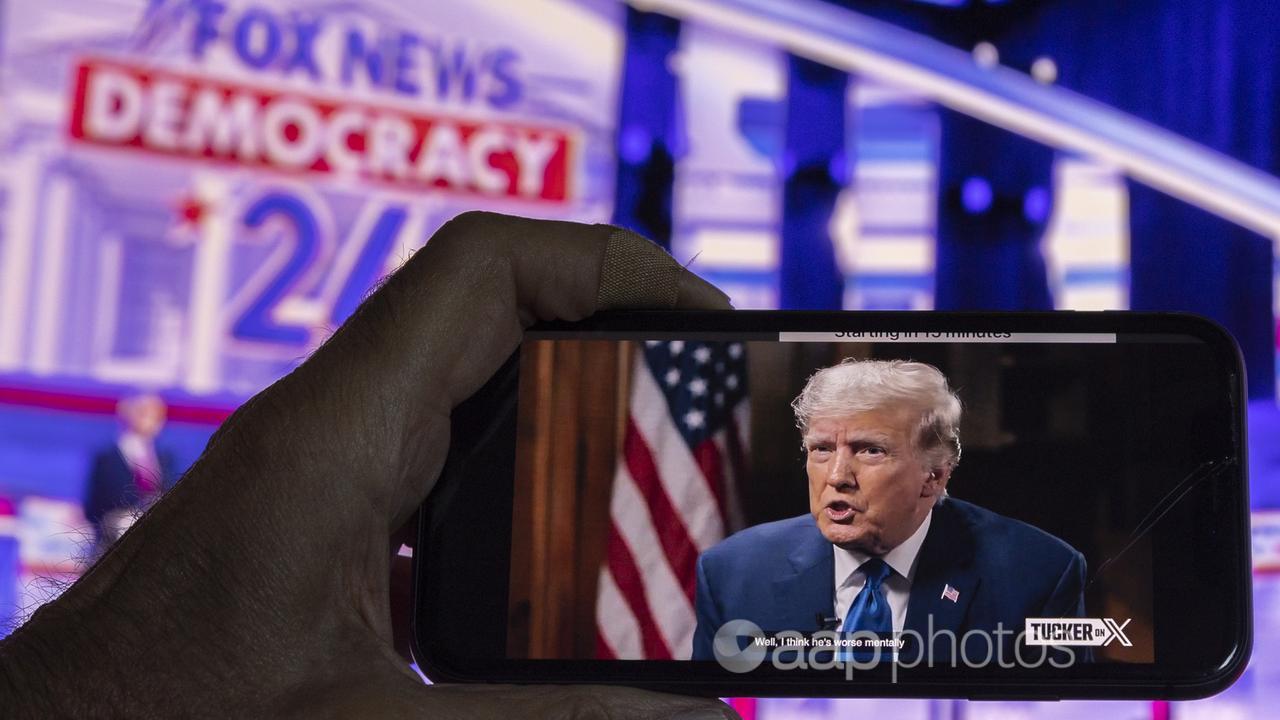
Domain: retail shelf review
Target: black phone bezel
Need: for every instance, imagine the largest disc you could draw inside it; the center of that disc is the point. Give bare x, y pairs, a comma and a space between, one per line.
462, 543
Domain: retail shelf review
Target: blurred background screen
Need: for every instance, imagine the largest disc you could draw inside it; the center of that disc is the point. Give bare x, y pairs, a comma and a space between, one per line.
193, 193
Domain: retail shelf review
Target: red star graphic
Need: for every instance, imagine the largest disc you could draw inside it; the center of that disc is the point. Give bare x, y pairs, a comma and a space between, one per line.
191, 210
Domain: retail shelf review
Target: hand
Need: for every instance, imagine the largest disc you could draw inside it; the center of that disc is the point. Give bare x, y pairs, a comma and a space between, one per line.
258, 587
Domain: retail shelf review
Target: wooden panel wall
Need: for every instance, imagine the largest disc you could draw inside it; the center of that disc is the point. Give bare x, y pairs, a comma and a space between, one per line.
570, 427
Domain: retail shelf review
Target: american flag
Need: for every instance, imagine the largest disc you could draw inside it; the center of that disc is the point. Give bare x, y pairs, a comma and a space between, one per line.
950, 593
674, 493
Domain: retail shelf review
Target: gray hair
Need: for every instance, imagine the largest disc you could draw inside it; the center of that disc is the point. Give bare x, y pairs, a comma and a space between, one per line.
856, 386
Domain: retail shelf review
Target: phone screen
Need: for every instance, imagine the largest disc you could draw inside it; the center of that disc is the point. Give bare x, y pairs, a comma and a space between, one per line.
875, 503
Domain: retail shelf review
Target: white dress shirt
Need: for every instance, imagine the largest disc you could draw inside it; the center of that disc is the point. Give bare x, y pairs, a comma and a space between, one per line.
897, 587
139, 454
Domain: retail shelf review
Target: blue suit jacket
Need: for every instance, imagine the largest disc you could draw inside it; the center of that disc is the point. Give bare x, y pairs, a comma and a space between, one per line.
781, 576
111, 485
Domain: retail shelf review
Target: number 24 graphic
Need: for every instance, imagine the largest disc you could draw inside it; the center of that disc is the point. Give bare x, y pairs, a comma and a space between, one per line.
294, 284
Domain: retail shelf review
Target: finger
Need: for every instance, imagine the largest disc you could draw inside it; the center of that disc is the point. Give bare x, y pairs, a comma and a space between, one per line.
438, 329
567, 271
636, 273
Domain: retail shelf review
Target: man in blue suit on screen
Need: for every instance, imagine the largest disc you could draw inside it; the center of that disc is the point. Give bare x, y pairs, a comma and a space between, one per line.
883, 548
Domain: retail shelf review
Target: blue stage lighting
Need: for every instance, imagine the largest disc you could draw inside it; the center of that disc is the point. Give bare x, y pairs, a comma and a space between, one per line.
635, 144
1035, 205
975, 195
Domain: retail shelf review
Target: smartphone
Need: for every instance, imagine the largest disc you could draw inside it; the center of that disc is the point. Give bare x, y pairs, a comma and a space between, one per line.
969, 505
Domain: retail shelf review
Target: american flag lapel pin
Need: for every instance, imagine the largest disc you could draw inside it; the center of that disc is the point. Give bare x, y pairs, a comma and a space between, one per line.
950, 593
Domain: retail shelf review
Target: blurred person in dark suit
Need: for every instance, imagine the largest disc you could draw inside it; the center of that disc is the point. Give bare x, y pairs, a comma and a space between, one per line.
127, 476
